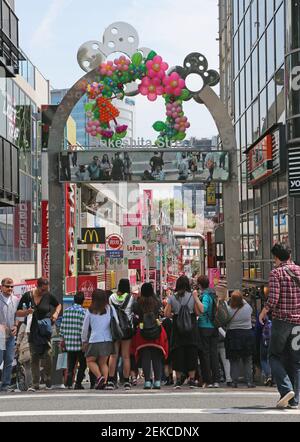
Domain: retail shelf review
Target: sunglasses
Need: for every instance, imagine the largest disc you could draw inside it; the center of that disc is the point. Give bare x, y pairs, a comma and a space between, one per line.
9, 286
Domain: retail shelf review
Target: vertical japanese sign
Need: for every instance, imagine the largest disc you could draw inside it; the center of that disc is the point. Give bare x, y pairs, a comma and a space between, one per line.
23, 230
70, 238
45, 239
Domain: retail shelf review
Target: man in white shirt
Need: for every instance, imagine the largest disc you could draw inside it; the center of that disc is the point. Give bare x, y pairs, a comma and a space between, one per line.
8, 329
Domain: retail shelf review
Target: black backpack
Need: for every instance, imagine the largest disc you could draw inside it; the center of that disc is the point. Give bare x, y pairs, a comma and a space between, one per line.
124, 321
220, 314
151, 328
184, 318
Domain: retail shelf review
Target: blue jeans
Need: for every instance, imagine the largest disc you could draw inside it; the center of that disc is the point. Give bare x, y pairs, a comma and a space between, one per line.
285, 358
7, 356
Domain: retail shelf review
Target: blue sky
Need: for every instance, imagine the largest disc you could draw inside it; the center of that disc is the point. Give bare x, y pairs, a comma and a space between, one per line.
51, 31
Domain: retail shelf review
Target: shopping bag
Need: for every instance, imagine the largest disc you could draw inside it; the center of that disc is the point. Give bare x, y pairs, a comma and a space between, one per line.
62, 361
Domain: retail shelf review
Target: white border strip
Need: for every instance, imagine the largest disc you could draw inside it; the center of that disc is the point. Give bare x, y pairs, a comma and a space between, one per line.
158, 411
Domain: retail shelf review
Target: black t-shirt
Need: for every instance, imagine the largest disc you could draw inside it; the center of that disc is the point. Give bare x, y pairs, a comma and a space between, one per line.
44, 309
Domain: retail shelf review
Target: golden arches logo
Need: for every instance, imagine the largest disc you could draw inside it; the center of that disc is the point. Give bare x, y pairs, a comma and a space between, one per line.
91, 234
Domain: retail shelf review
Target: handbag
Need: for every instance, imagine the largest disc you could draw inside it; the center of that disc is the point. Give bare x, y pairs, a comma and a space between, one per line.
62, 361
115, 329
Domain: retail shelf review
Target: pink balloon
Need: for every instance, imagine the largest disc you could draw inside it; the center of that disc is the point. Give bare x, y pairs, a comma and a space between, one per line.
94, 133
89, 130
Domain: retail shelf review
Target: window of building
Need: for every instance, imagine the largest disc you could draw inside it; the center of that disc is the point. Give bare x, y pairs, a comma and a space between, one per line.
270, 50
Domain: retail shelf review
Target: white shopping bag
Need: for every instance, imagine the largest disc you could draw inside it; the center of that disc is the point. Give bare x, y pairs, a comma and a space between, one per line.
29, 321
2, 337
62, 361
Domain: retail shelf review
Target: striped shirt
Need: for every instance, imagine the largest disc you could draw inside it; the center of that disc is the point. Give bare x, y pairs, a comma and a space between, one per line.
71, 327
284, 297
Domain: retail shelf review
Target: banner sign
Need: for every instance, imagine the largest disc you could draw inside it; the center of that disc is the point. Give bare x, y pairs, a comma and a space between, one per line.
135, 249
114, 247
147, 165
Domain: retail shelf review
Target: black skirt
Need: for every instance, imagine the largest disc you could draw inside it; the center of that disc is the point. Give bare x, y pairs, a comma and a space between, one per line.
184, 340
239, 344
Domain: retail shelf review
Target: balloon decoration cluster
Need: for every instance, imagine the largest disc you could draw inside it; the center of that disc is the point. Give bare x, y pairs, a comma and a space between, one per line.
155, 82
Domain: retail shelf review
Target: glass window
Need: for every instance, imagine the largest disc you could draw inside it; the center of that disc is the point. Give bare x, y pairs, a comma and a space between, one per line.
271, 103
258, 234
248, 83
242, 90
263, 110
5, 18
270, 9
14, 29
247, 34
275, 223
255, 73
3, 118
242, 47
270, 50
280, 36
254, 22
262, 62
261, 16
255, 116
283, 221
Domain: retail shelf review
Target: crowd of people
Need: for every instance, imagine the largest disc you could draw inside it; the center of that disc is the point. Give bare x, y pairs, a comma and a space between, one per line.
196, 336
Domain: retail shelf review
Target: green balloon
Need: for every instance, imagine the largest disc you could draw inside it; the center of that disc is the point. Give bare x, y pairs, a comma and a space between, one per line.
185, 95
159, 126
137, 59
151, 55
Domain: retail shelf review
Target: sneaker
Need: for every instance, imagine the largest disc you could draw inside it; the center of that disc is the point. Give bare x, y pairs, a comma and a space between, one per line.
156, 385
32, 389
251, 385
268, 382
48, 387
79, 387
147, 385
110, 386
229, 384
210, 386
100, 383
134, 382
292, 407
193, 384
284, 401
178, 385
127, 386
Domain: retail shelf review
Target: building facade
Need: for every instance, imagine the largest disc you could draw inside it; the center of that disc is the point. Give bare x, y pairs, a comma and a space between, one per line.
254, 49
21, 99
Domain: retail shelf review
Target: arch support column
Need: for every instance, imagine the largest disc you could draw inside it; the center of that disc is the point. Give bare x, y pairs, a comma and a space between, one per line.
230, 189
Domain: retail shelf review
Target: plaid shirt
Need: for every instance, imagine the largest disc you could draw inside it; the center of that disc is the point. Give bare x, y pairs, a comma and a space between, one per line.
284, 298
71, 327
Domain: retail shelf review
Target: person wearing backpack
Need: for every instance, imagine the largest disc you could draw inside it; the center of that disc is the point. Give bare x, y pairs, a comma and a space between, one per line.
122, 301
208, 336
284, 304
184, 307
151, 341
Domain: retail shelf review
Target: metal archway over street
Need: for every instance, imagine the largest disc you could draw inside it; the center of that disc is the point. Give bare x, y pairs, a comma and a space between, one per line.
230, 189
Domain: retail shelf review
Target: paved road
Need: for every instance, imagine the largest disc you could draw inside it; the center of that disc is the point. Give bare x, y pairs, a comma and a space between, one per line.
139, 406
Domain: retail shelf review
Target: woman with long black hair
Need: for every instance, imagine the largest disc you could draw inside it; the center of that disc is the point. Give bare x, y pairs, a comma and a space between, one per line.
151, 341
184, 344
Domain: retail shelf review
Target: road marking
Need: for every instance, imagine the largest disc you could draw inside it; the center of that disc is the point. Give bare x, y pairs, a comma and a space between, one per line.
70, 395
158, 411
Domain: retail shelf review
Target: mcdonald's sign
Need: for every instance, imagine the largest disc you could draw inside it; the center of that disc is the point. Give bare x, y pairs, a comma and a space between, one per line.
93, 235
